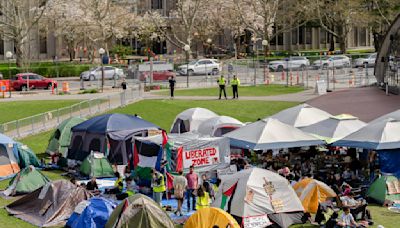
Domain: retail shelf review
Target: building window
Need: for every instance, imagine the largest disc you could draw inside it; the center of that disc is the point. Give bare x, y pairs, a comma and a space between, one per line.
363, 37
308, 35
1, 46
323, 36
301, 35
43, 44
156, 4
294, 36
280, 39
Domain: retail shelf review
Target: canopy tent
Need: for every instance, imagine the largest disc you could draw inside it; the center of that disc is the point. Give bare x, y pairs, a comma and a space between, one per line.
394, 115
139, 211
190, 119
50, 205
218, 126
26, 156
335, 127
26, 181
96, 165
259, 195
8, 160
210, 217
379, 135
61, 138
312, 192
385, 187
109, 134
301, 115
270, 134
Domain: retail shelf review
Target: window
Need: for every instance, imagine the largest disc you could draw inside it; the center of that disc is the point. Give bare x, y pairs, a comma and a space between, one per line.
156, 4
294, 36
43, 44
363, 37
202, 62
95, 145
1, 46
57, 134
308, 35
4, 155
24, 77
33, 77
301, 35
280, 39
322, 36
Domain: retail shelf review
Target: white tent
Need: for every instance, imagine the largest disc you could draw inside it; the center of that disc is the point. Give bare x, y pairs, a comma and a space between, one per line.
270, 134
259, 195
394, 115
190, 119
301, 115
218, 126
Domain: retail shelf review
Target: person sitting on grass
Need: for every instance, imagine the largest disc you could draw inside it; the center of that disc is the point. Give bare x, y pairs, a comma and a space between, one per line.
347, 219
118, 185
92, 186
356, 206
203, 198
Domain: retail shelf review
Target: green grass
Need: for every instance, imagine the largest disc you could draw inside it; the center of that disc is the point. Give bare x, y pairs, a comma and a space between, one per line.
20, 109
253, 91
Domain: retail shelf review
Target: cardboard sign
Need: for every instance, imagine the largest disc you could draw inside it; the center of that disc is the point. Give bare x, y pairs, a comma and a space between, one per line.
320, 87
256, 221
201, 157
152, 132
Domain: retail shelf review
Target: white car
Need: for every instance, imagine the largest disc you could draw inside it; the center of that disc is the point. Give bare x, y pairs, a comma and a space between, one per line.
202, 66
336, 61
109, 73
369, 60
294, 62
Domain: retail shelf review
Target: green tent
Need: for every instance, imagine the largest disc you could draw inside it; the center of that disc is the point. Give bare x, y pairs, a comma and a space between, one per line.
61, 138
26, 156
139, 211
378, 190
96, 165
26, 181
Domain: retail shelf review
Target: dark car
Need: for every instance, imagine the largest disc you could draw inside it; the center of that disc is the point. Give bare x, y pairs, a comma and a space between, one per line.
20, 82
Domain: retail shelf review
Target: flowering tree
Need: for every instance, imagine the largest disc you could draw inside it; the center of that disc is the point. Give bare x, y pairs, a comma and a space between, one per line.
147, 28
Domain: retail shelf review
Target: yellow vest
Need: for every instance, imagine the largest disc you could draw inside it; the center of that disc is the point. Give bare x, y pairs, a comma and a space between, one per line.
235, 82
203, 202
161, 187
221, 81
118, 183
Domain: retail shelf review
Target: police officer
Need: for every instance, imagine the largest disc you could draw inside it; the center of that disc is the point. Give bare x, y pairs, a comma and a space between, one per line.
235, 83
158, 184
222, 82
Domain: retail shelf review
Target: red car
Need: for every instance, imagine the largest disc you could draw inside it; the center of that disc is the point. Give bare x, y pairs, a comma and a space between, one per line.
20, 82
157, 75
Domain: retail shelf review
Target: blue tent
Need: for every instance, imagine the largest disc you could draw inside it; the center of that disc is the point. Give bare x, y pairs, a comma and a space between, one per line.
8, 157
389, 161
95, 215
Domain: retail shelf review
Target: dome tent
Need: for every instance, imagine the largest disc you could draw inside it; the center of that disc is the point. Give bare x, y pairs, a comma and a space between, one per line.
218, 126
26, 181
190, 119
8, 153
209, 217
26, 156
96, 165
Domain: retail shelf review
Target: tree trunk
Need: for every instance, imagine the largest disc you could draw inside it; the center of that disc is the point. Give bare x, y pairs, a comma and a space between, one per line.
19, 52
378, 39
331, 42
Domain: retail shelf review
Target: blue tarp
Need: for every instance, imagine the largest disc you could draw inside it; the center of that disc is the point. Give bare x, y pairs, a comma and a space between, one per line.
95, 215
389, 161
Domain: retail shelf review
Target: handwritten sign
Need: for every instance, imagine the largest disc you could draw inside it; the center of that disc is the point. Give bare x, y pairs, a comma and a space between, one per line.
201, 157
256, 221
320, 87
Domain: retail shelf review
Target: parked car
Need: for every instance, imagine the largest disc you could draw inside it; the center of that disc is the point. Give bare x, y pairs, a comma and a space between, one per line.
109, 73
336, 61
369, 60
157, 75
20, 82
294, 62
202, 66
157, 66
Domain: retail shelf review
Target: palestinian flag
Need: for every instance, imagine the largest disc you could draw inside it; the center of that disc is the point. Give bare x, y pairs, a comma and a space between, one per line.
174, 159
147, 155
227, 198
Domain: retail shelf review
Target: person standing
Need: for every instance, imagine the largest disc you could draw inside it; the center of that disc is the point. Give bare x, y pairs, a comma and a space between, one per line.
180, 184
158, 185
172, 83
192, 180
235, 84
222, 82
123, 95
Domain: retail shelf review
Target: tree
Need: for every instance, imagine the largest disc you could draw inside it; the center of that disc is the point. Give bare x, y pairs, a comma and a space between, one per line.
147, 28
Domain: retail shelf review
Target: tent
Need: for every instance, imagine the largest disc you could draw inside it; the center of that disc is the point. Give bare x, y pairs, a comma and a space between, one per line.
270, 134
301, 115
61, 138
190, 119
96, 165
50, 205
259, 196
8, 160
139, 211
94, 213
394, 115
218, 126
109, 134
210, 217
312, 192
26, 181
385, 187
335, 127
26, 156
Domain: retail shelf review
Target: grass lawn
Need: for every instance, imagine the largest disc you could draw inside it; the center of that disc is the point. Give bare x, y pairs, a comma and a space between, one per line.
254, 91
20, 109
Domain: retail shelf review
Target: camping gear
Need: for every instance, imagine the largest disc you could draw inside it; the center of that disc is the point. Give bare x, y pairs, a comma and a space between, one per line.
139, 211
335, 127
312, 192
50, 205
259, 196
301, 115
26, 181
210, 217
61, 138
95, 213
386, 187
8, 153
109, 134
96, 165
270, 134
218, 126
26, 156
190, 119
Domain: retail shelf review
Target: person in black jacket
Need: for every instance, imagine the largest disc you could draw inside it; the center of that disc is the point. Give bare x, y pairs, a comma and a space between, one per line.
172, 86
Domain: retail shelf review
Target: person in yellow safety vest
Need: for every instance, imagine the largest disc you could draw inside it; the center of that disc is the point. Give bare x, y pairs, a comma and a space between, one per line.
158, 185
203, 198
235, 84
118, 185
222, 82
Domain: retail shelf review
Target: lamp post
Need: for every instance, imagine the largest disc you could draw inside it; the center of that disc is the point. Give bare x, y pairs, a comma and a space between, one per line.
265, 44
187, 49
196, 35
101, 52
9, 55
209, 41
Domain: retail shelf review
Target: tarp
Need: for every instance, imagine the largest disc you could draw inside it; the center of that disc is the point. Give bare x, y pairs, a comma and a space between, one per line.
190, 119
255, 194
218, 126
139, 211
50, 205
96, 165
210, 217
8, 160
26, 156
270, 134
26, 181
301, 115
334, 128
312, 192
378, 191
389, 161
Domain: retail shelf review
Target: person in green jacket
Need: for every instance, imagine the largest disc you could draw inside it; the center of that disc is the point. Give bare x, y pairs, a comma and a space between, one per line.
235, 83
222, 82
